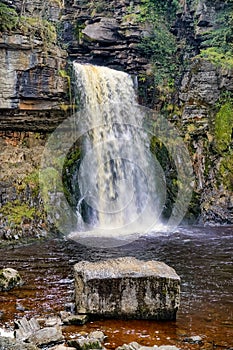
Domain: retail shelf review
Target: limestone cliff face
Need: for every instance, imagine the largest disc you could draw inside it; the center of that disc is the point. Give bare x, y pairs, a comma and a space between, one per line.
32, 90
104, 33
35, 95
204, 90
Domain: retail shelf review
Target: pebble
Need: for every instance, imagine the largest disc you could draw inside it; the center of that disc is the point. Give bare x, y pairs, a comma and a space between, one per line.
196, 339
75, 319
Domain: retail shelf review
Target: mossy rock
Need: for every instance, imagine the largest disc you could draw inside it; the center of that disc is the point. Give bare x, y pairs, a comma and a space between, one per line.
17, 212
9, 278
226, 171
224, 126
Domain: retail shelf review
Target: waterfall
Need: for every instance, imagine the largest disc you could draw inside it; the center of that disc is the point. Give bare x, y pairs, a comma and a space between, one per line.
121, 184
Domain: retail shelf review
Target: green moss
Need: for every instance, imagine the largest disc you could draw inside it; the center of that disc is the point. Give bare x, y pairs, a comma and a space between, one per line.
226, 171
65, 74
32, 180
8, 18
51, 180
17, 212
70, 167
32, 26
40, 27
218, 40
223, 126
217, 57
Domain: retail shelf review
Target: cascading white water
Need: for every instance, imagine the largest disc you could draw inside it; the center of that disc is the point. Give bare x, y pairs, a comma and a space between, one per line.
120, 182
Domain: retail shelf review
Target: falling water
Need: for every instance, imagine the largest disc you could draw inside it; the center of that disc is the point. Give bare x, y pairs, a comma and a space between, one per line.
121, 184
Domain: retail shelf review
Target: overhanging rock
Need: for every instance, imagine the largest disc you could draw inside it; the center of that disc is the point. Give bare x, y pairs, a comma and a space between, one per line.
127, 288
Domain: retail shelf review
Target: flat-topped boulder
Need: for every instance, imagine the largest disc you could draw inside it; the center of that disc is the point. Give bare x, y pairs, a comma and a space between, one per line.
127, 288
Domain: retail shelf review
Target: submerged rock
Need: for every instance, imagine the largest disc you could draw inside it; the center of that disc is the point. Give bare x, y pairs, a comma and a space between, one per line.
9, 278
127, 288
75, 319
85, 343
195, 339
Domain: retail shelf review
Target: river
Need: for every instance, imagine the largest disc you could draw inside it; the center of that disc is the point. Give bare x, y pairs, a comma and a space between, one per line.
202, 256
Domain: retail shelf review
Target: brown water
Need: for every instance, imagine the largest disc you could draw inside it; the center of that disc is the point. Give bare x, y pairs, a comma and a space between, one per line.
202, 257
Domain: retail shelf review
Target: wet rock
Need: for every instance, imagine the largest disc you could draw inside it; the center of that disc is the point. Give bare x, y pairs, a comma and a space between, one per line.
200, 83
85, 343
75, 319
127, 287
13, 344
30, 332
53, 321
99, 335
70, 307
9, 278
131, 346
20, 307
168, 347
196, 339
46, 336
61, 347
25, 328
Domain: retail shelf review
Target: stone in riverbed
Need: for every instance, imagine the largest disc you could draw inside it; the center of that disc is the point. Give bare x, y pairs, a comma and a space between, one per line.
13, 344
127, 288
61, 347
46, 336
75, 320
85, 343
30, 332
9, 278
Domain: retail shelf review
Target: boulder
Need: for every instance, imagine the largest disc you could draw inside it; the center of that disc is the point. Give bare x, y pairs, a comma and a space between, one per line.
104, 31
9, 278
127, 288
46, 336
85, 343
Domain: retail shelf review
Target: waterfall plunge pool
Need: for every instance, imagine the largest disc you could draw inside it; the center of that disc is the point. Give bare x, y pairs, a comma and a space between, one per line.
202, 256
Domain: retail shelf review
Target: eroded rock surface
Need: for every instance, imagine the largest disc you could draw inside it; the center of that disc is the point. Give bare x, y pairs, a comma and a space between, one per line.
127, 287
9, 278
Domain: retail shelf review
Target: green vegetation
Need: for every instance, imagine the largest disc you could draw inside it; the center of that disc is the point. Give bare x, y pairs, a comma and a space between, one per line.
224, 124
17, 212
32, 180
71, 164
159, 150
8, 18
219, 41
99, 6
37, 26
226, 171
65, 74
218, 57
32, 26
160, 44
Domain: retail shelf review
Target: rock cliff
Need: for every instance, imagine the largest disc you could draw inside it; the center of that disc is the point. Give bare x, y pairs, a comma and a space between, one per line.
38, 40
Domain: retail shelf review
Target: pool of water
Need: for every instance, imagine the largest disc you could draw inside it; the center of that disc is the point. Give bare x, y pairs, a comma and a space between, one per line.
203, 257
